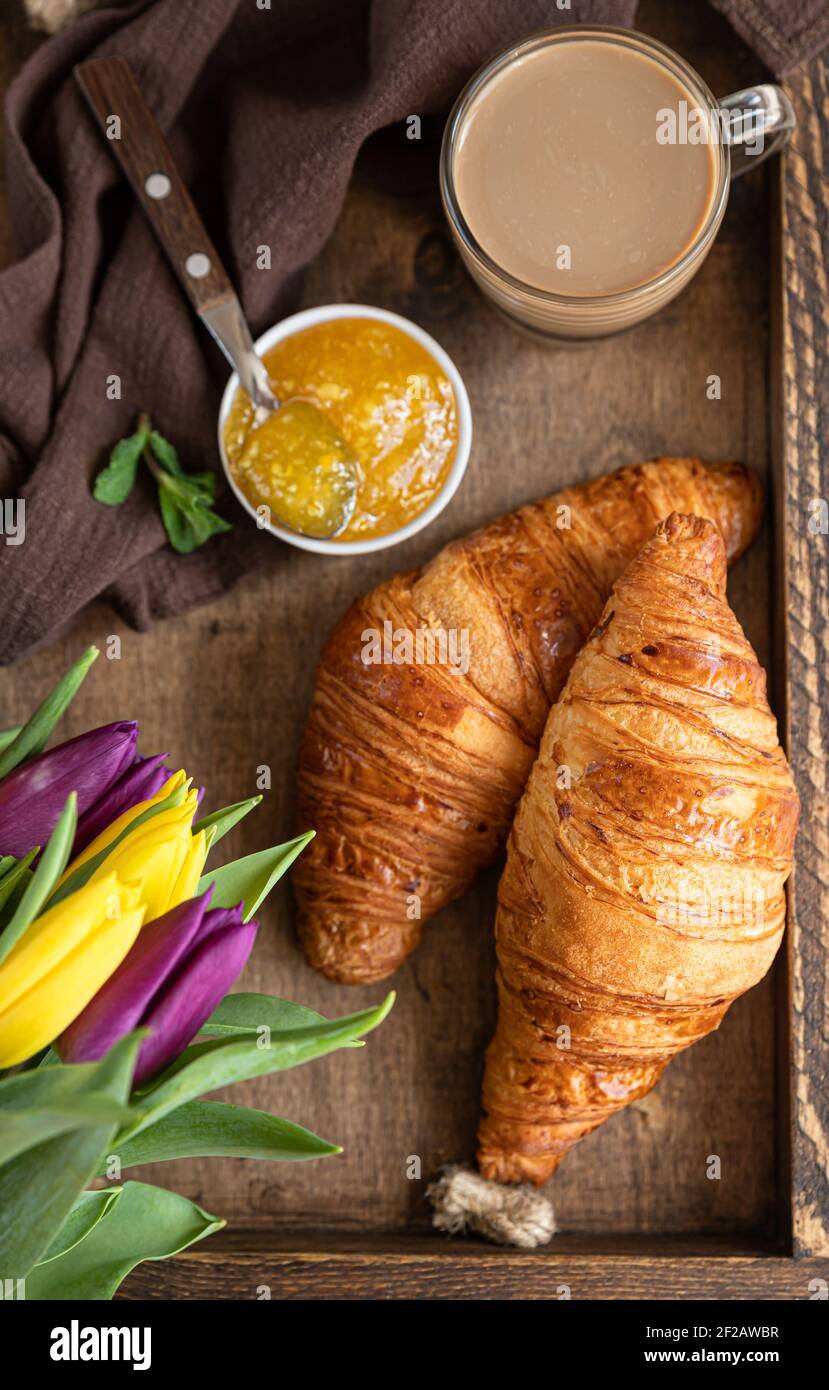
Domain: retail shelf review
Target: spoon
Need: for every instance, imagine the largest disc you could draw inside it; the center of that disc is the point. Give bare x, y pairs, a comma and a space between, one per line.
302, 444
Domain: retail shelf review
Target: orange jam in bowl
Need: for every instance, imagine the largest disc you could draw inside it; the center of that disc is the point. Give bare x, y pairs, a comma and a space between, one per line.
389, 400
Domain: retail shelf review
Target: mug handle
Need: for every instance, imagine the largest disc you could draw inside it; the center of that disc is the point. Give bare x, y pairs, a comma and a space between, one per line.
756, 123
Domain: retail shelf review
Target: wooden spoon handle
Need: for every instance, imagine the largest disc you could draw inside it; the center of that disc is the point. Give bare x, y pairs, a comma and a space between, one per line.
140, 148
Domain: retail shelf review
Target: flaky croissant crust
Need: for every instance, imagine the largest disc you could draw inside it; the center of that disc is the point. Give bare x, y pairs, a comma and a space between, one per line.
643, 890
409, 773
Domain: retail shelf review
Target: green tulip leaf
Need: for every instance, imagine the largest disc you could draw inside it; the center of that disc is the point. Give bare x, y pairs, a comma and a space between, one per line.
146, 1223
8, 736
84, 872
205, 1067
7, 861
211, 1129
53, 861
89, 1209
48, 1086
33, 736
245, 1013
67, 1094
27, 1128
251, 879
248, 1013
15, 880
39, 1188
224, 820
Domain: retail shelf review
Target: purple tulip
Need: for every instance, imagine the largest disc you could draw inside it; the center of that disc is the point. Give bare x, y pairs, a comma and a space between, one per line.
33, 795
140, 782
178, 971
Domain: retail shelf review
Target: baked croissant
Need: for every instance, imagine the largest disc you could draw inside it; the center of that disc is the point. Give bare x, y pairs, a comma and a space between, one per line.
410, 773
643, 890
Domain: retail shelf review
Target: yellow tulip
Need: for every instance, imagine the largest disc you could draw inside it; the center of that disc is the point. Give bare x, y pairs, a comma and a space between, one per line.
122, 823
62, 960
162, 854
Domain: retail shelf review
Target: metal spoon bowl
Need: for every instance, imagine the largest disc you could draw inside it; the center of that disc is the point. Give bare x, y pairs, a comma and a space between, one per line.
326, 505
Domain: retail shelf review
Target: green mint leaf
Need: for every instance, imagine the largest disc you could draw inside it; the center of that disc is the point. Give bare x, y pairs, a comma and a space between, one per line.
180, 533
166, 454
185, 498
187, 518
204, 522
203, 486
114, 483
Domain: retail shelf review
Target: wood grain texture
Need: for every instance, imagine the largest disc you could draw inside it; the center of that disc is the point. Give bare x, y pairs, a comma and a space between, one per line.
801, 414
226, 689
422, 1268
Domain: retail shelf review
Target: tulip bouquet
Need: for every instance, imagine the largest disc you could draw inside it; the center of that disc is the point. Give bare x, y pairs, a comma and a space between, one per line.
117, 948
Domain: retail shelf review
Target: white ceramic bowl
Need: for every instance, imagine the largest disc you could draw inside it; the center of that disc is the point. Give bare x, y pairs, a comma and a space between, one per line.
322, 314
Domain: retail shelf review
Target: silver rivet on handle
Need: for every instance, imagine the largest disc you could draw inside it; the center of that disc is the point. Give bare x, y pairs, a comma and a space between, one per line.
157, 185
197, 265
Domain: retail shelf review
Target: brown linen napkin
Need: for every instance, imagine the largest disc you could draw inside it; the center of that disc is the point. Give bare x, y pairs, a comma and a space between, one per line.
265, 110
783, 32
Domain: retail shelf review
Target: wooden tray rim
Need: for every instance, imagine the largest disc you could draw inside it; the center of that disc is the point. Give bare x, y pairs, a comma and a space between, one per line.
331, 1264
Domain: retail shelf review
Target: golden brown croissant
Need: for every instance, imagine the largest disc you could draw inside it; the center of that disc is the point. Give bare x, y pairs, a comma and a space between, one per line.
410, 773
643, 890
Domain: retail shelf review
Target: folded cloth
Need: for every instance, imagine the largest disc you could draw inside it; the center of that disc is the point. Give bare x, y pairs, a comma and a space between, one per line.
783, 32
265, 110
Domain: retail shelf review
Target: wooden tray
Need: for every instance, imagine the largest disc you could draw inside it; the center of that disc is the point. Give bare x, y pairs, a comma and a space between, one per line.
226, 689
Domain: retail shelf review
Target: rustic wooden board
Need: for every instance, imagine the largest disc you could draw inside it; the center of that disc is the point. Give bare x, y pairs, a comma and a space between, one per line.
801, 447
225, 690
423, 1268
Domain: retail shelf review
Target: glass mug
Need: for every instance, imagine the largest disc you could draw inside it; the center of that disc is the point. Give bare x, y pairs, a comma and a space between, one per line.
741, 130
